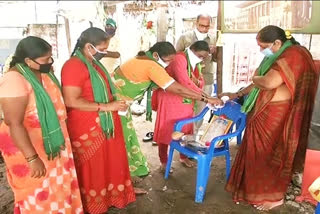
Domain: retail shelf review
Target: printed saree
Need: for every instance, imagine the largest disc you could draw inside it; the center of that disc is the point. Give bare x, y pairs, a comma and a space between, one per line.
58, 190
275, 139
130, 91
101, 162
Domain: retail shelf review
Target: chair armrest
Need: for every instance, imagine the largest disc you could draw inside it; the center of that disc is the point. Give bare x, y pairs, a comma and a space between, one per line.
180, 123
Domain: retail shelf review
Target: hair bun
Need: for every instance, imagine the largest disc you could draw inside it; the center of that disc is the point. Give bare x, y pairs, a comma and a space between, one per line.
288, 34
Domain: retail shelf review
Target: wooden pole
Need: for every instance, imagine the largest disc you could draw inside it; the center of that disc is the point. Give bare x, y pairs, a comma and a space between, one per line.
219, 51
67, 27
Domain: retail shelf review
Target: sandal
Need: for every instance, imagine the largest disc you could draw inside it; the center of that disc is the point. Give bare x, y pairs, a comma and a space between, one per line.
148, 137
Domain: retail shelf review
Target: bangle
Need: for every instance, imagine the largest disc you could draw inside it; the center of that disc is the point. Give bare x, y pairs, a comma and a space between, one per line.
204, 95
32, 158
203, 99
99, 107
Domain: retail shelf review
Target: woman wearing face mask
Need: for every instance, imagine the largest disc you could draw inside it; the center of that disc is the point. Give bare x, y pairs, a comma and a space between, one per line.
94, 126
33, 137
279, 107
186, 70
140, 75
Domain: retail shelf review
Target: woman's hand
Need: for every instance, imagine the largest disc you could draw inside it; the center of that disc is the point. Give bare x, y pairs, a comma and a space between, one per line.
37, 167
215, 101
229, 94
119, 105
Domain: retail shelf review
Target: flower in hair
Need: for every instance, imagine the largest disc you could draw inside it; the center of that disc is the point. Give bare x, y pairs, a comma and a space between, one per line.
6, 66
288, 34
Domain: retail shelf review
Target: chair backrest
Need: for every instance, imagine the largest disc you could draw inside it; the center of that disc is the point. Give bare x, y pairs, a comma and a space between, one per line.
232, 111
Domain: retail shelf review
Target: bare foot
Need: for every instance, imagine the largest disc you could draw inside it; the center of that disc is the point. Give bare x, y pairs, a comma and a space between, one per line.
188, 163
163, 167
139, 191
269, 205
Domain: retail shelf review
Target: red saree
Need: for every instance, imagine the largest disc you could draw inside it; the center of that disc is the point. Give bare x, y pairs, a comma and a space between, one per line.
101, 163
275, 139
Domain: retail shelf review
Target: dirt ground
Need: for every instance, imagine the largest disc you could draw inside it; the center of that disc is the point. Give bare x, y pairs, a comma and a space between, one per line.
178, 198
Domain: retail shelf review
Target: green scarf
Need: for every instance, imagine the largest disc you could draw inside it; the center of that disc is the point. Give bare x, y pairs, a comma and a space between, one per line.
53, 138
100, 92
264, 67
149, 90
188, 100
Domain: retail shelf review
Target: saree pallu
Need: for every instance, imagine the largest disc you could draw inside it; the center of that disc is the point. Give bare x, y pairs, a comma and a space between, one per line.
275, 139
58, 190
101, 163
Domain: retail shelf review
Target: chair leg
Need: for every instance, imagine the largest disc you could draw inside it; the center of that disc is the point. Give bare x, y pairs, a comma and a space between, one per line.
202, 179
318, 209
228, 163
207, 173
169, 162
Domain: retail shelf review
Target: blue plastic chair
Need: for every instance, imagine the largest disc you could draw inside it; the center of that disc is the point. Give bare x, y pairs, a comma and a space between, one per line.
318, 209
232, 111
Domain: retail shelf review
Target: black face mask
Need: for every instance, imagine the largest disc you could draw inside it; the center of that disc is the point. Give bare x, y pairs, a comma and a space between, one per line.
99, 54
44, 68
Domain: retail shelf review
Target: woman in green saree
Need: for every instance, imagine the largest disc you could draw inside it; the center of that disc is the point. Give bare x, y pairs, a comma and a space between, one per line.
142, 74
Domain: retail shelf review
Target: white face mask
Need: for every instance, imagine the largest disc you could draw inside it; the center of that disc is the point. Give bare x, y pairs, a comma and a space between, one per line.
200, 36
267, 51
194, 60
161, 62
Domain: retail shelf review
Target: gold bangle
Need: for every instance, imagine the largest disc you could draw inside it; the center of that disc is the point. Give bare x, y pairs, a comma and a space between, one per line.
32, 158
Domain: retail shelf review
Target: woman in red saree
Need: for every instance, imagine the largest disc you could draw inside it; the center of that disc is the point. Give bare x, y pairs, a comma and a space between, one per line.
94, 126
186, 70
280, 106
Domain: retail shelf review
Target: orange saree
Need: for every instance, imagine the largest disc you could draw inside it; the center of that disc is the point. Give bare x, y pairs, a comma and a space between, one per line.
56, 192
275, 139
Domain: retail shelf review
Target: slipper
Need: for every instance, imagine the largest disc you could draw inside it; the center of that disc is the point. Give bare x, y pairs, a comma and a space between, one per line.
139, 191
148, 137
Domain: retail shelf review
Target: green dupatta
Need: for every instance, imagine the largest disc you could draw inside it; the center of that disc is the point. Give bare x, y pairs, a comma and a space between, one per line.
100, 92
264, 67
53, 138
